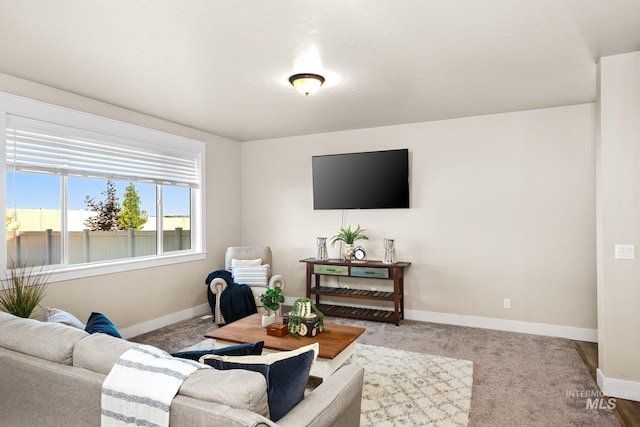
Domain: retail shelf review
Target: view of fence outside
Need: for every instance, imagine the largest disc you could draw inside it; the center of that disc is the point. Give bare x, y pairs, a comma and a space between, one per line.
42, 219
43, 247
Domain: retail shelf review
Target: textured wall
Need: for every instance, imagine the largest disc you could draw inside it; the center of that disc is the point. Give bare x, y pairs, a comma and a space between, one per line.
502, 206
619, 218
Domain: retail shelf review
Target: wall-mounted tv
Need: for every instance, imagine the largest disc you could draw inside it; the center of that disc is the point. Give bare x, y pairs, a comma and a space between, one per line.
367, 180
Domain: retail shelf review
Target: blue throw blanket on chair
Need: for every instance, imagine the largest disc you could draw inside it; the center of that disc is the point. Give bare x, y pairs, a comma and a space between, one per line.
237, 300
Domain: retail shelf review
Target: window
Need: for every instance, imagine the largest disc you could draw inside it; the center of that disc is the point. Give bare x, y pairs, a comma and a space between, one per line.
88, 242
84, 192
33, 229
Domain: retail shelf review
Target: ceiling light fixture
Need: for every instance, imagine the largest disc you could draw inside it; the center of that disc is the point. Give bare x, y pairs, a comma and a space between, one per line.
306, 83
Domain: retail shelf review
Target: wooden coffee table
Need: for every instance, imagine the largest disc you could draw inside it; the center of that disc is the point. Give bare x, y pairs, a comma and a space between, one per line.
336, 346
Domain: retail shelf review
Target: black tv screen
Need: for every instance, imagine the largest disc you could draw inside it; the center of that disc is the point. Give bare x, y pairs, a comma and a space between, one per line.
368, 180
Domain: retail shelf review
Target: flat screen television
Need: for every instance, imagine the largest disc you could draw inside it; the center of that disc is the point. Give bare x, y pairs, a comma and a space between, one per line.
367, 180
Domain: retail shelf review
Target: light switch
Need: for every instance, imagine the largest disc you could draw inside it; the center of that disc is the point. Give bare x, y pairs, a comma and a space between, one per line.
625, 251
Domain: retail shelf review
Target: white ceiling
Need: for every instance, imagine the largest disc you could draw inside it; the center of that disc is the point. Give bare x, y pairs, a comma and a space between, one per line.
223, 65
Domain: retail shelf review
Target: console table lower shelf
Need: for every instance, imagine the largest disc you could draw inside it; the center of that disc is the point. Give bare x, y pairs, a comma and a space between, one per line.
379, 314
358, 313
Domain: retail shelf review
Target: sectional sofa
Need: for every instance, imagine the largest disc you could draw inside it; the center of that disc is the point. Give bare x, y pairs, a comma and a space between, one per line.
51, 375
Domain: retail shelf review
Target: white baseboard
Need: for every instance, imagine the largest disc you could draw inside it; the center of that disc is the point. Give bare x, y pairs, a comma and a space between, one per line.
621, 389
150, 325
570, 332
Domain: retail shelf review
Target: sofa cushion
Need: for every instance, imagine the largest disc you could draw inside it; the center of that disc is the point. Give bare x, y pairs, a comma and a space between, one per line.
99, 352
286, 373
236, 389
4, 316
98, 322
61, 316
50, 341
253, 348
246, 262
251, 275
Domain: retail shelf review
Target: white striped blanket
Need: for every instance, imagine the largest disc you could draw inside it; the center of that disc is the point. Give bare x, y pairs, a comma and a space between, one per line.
141, 385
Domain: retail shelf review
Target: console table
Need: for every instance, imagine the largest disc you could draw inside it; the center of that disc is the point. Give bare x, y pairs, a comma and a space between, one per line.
368, 270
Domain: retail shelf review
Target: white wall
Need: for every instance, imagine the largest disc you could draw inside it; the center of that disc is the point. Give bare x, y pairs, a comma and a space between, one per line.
619, 223
139, 296
502, 206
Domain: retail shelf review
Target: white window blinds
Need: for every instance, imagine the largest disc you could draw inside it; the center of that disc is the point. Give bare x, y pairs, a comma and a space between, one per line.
43, 147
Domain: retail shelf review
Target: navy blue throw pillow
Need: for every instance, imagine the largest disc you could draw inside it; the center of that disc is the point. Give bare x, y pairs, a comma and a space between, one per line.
249, 349
98, 322
287, 374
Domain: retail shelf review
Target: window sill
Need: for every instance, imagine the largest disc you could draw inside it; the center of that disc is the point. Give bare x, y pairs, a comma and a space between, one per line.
117, 266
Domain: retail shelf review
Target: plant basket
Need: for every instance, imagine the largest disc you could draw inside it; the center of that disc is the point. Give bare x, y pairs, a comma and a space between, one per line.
305, 319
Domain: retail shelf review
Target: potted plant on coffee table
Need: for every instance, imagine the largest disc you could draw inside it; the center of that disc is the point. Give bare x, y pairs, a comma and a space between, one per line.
305, 319
349, 237
271, 300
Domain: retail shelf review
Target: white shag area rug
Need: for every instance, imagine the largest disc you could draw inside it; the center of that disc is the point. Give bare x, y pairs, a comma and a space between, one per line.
403, 388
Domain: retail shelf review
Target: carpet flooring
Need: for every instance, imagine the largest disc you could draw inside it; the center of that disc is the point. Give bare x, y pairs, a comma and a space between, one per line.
518, 379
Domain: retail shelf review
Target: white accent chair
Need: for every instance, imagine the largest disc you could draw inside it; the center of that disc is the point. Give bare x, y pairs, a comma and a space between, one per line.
218, 285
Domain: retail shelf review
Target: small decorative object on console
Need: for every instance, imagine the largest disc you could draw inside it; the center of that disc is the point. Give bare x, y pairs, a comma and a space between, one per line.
321, 242
389, 252
359, 254
349, 237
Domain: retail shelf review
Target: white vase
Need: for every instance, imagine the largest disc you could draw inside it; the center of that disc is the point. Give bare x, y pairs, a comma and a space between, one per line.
348, 251
321, 242
389, 252
268, 319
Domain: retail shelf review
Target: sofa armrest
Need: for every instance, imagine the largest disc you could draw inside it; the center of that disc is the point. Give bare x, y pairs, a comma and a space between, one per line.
277, 280
217, 286
334, 403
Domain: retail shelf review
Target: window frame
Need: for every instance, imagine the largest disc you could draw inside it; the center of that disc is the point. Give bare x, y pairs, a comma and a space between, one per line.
37, 110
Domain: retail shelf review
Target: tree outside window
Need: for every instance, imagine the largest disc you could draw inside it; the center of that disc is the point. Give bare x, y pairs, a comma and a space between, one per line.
131, 216
107, 210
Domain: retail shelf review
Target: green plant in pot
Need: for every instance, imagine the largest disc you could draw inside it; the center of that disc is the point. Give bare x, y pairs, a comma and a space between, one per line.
305, 318
23, 287
349, 237
271, 300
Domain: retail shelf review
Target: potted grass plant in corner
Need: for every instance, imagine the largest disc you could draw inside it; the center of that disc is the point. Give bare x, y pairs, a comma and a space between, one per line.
271, 300
349, 237
22, 288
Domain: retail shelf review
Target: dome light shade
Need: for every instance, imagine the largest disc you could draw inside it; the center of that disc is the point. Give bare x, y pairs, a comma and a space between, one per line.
306, 83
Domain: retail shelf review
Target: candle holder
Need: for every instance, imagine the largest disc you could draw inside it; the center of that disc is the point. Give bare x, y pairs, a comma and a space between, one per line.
322, 254
389, 252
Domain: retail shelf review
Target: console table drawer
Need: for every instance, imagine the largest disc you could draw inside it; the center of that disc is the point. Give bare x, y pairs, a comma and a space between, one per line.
379, 273
338, 270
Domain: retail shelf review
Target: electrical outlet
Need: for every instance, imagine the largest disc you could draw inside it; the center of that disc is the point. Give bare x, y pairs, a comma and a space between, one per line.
507, 303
